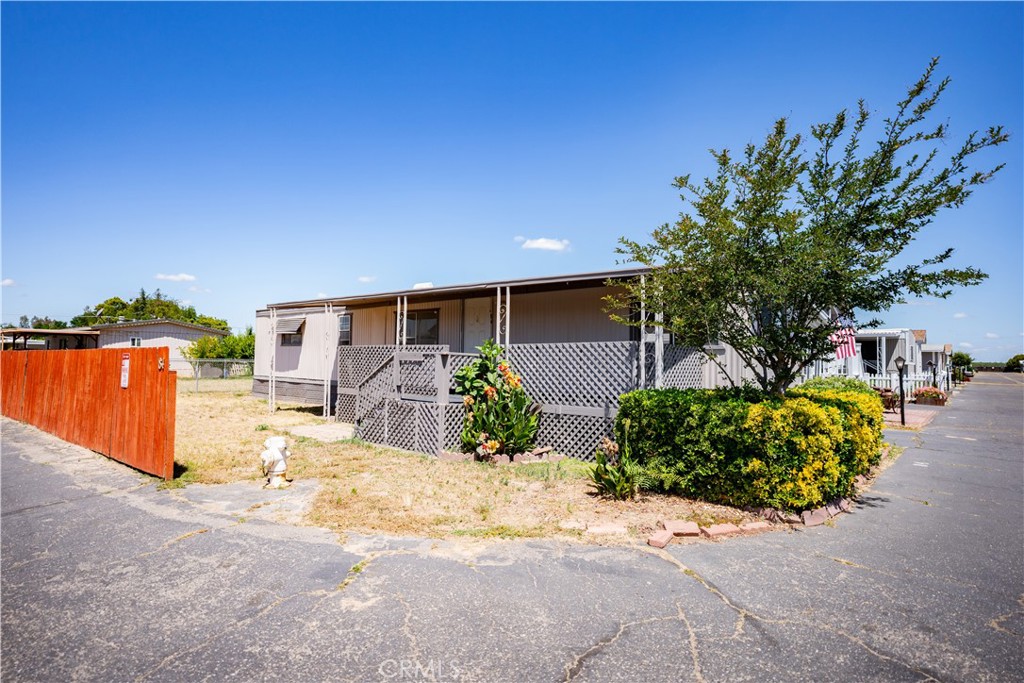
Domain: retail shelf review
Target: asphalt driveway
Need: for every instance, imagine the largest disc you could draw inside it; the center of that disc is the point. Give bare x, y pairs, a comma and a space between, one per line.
105, 577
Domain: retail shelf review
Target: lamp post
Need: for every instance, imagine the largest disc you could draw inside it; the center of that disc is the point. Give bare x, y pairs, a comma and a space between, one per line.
900, 362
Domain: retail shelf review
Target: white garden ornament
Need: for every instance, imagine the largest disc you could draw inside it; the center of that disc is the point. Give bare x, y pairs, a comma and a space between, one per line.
275, 462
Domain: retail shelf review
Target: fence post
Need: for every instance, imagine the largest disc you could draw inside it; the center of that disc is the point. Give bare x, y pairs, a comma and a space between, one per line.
441, 384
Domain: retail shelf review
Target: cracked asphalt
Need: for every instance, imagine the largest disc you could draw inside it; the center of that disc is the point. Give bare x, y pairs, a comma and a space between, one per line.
106, 577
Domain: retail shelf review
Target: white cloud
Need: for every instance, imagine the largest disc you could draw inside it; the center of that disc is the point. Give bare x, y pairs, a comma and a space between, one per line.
7, 282
966, 345
321, 295
180, 277
203, 290
991, 335
519, 238
959, 315
366, 278
546, 244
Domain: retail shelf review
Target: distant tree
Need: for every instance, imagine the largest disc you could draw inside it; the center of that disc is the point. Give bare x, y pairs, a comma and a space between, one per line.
204, 347
111, 310
783, 246
24, 322
48, 324
1014, 364
144, 307
138, 309
240, 346
215, 323
961, 359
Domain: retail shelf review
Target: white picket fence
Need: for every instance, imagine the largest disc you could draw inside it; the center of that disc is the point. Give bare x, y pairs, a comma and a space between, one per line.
910, 383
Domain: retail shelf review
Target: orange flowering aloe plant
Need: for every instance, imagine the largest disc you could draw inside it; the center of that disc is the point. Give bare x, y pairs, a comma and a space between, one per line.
500, 417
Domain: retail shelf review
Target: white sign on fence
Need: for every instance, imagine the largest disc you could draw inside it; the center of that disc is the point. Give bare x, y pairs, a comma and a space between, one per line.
125, 359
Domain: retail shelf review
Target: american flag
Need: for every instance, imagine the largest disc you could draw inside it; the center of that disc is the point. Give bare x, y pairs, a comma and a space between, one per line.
846, 343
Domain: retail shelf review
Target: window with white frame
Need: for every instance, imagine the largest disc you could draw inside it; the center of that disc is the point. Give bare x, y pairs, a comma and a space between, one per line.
135, 341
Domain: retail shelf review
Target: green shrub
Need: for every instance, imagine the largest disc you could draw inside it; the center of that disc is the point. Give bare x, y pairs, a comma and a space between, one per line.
689, 441
837, 384
743, 447
1014, 364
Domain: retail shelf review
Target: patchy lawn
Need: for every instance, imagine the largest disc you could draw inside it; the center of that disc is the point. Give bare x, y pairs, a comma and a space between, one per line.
371, 489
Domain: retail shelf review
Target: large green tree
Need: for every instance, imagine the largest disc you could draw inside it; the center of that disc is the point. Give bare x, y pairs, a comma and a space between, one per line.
784, 245
144, 307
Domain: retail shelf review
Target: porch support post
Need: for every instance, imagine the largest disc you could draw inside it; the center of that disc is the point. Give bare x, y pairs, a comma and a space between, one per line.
328, 316
659, 350
508, 316
883, 362
441, 385
401, 313
273, 357
497, 316
643, 334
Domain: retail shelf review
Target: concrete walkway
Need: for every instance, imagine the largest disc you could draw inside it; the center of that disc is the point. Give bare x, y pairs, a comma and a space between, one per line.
915, 416
105, 577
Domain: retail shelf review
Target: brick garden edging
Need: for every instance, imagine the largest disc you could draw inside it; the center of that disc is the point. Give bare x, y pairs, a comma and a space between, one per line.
673, 529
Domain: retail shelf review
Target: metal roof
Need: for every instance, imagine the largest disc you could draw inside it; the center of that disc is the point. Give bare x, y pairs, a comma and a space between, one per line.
158, 321
46, 332
434, 292
883, 333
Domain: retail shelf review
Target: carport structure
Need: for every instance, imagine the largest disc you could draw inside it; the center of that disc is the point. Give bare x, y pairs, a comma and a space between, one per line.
54, 340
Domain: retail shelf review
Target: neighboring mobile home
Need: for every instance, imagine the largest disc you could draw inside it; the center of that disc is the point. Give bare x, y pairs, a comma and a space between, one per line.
173, 334
876, 350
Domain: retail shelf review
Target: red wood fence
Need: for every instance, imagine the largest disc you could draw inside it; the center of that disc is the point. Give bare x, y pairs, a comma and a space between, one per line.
118, 402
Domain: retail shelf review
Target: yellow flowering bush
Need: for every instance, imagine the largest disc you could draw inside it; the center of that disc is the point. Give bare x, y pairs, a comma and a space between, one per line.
798, 465
862, 422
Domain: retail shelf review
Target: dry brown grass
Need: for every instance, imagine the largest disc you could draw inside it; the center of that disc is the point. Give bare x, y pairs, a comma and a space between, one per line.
370, 489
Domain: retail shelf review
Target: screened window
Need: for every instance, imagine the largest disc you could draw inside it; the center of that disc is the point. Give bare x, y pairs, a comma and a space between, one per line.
290, 330
135, 341
345, 330
421, 327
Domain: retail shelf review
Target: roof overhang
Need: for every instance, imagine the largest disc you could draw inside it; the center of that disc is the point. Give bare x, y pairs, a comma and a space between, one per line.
578, 280
34, 332
130, 324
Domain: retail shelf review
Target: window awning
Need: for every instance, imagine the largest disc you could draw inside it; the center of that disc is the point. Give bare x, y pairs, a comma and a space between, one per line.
289, 325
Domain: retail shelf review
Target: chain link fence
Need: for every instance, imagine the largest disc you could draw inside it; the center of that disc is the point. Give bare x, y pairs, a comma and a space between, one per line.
217, 374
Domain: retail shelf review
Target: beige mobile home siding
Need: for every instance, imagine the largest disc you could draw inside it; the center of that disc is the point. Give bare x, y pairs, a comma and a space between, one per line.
171, 336
573, 315
369, 326
313, 360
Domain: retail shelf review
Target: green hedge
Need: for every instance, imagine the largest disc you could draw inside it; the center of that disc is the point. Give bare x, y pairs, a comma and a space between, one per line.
742, 447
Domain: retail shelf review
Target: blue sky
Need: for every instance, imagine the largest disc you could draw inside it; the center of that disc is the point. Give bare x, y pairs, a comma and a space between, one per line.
235, 155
